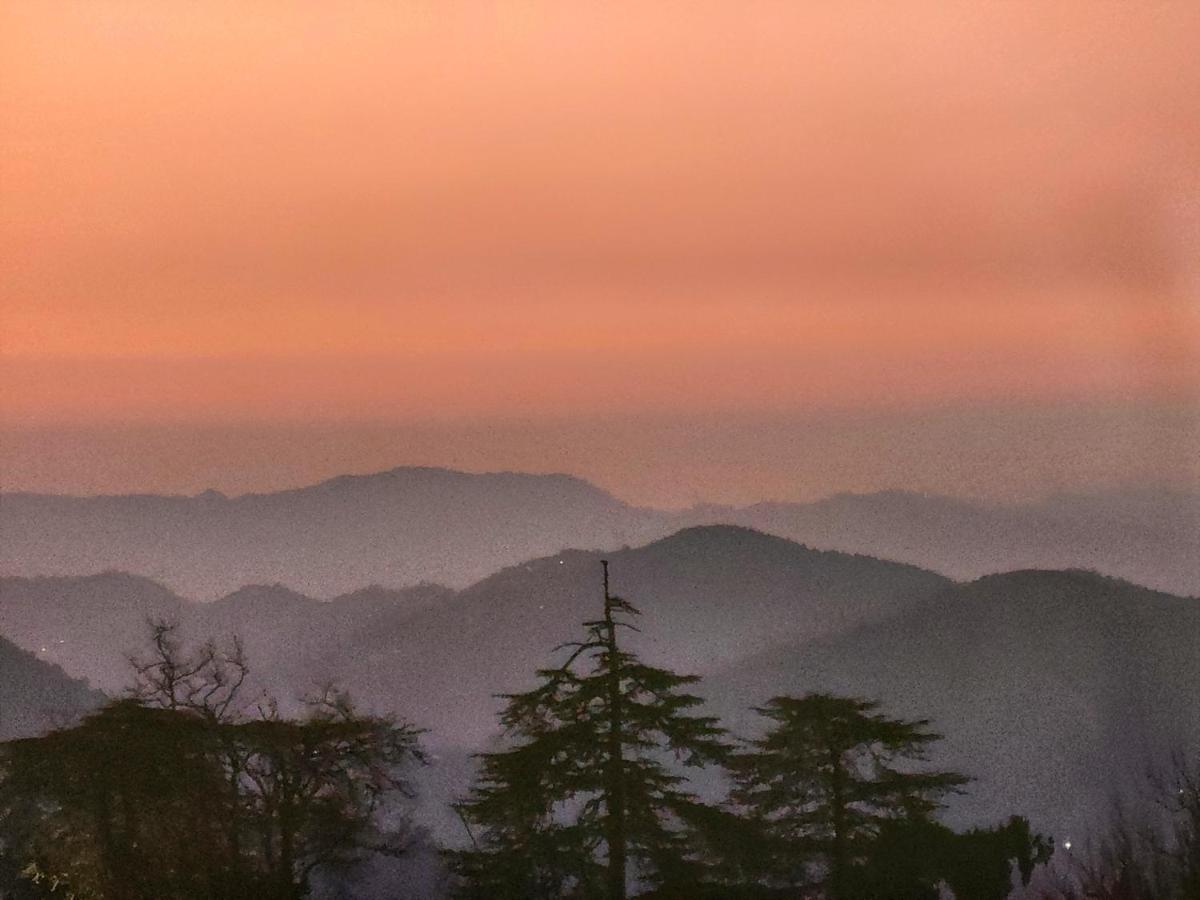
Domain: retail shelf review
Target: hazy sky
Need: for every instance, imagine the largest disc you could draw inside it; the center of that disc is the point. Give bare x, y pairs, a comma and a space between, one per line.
493, 222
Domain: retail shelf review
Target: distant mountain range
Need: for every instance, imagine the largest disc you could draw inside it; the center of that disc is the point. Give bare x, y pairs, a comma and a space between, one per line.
411, 525
396, 528
1149, 537
1050, 686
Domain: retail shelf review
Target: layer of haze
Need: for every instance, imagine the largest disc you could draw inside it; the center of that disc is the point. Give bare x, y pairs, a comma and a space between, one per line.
695, 250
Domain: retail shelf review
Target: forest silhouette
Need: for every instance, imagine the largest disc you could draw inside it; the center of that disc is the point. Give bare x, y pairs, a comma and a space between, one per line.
190, 786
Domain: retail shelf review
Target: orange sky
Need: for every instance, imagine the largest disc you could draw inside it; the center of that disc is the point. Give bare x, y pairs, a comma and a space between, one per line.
231, 214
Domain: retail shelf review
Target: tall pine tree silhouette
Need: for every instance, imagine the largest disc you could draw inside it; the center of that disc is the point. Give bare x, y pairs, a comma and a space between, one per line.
827, 776
583, 801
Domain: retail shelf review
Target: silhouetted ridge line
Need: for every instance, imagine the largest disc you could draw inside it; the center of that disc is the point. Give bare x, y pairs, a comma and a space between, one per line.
1064, 577
409, 525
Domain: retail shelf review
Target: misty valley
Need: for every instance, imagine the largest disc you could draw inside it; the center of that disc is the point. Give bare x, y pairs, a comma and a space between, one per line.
686, 704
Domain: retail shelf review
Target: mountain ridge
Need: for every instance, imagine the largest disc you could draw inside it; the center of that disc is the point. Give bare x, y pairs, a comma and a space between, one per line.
408, 525
36, 696
1013, 668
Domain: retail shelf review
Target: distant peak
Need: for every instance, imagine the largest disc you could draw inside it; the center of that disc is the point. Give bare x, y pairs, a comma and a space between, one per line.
725, 535
1026, 578
438, 473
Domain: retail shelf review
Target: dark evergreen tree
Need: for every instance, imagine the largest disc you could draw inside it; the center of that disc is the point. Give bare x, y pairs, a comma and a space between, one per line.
911, 858
584, 800
174, 794
829, 773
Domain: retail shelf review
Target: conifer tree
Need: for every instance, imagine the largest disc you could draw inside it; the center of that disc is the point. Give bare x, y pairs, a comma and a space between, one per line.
829, 773
583, 800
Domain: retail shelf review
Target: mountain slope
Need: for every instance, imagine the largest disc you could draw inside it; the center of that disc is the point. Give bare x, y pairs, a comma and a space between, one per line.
91, 625
1052, 688
282, 631
1148, 537
394, 528
411, 525
36, 696
87, 625
709, 595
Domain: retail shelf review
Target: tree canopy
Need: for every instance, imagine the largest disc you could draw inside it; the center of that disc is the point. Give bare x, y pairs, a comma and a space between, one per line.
584, 802
174, 794
824, 780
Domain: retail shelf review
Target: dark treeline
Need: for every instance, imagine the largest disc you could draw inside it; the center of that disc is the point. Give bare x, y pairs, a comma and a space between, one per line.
603, 788
178, 792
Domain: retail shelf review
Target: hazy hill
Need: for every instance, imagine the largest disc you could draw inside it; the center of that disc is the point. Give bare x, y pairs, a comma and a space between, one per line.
36, 696
412, 525
1148, 537
87, 625
90, 625
283, 632
394, 528
710, 596
1050, 687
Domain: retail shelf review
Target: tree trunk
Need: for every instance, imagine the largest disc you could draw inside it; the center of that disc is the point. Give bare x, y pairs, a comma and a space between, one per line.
615, 775
287, 848
838, 862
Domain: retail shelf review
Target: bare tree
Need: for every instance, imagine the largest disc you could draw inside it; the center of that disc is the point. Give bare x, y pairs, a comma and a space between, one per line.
318, 788
1151, 853
208, 680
